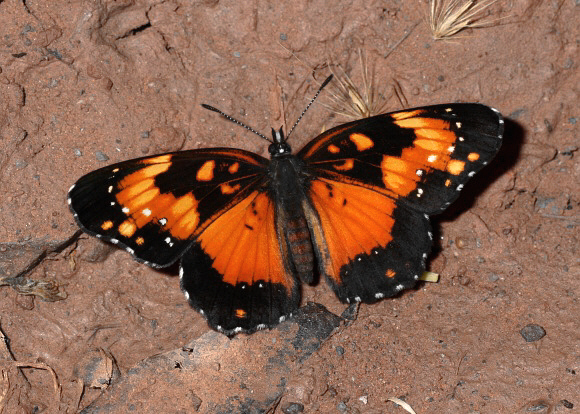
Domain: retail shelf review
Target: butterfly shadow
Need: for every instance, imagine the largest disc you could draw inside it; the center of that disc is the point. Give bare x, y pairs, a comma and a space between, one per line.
507, 157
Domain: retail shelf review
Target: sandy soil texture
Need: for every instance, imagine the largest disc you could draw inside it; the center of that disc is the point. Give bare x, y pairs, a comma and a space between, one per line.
90, 82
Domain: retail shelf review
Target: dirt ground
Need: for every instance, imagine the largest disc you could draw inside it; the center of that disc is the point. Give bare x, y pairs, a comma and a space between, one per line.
88, 83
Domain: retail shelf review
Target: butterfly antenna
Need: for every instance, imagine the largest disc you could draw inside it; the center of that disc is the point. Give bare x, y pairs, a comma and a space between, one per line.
235, 121
326, 81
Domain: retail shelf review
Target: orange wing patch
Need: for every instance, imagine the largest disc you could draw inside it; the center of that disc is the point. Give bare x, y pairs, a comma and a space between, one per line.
333, 149
244, 246
361, 141
205, 173
347, 165
353, 219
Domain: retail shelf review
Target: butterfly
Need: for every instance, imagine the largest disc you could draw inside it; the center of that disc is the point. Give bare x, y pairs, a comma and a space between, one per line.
352, 206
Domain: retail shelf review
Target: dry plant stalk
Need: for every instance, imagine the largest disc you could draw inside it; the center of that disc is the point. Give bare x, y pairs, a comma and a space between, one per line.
447, 17
351, 102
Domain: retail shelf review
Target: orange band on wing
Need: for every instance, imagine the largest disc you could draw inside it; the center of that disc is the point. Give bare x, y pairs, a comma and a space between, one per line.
354, 220
143, 203
244, 245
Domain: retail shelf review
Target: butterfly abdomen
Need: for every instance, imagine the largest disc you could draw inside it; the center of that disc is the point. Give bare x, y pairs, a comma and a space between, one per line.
300, 246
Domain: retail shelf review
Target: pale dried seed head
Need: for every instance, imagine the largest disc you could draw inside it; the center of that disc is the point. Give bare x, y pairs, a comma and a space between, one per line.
351, 102
448, 17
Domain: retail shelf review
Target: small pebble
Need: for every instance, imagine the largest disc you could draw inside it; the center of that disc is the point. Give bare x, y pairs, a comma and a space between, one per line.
292, 408
532, 332
101, 156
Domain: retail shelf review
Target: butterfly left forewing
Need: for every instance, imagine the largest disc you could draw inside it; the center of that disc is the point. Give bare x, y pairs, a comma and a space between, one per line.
156, 206
374, 183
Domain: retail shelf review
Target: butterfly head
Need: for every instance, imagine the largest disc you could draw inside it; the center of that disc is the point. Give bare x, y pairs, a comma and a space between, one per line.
278, 147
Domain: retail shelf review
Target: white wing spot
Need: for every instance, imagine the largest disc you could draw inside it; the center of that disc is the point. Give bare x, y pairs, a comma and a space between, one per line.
430, 235
357, 299
168, 241
260, 285
130, 250
146, 212
461, 139
163, 221
379, 295
125, 210
419, 173
243, 287
261, 326
180, 272
112, 203
432, 158
458, 124
424, 255
238, 329
416, 277
114, 241
448, 109
282, 319
398, 288
71, 188
201, 310
110, 189
451, 148
460, 187
69, 201
471, 174
501, 121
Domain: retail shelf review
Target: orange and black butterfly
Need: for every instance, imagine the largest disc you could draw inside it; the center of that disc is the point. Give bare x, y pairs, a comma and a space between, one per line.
353, 205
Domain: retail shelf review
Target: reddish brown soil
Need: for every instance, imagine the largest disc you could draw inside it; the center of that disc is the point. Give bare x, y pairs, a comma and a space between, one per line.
87, 83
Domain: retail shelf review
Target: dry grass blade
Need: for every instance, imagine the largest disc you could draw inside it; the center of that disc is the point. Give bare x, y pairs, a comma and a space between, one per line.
448, 17
403, 404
